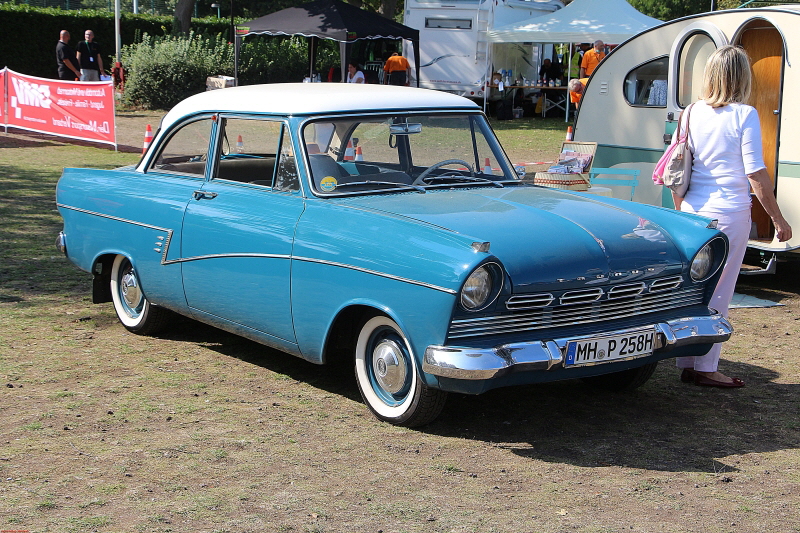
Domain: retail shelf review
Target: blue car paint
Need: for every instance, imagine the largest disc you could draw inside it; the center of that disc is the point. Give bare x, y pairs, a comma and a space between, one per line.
414, 270
240, 242
117, 212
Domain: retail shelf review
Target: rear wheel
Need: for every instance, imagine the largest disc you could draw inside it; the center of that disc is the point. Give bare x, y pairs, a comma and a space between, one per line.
621, 381
133, 309
386, 372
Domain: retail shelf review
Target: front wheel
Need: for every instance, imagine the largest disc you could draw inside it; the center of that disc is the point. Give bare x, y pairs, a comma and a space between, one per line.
133, 309
387, 377
625, 380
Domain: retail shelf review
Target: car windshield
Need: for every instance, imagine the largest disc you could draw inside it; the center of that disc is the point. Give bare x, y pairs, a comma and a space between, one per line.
401, 153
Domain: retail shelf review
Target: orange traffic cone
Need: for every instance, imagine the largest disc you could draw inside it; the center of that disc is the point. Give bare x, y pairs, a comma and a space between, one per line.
569, 133
239, 145
148, 138
487, 168
349, 153
359, 154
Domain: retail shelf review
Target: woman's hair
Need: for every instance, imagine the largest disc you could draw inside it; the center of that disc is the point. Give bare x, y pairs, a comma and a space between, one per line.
353, 64
574, 84
727, 77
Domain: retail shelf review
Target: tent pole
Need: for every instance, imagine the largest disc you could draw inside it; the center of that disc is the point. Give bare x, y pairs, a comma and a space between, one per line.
569, 77
312, 54
236, 44
343, 59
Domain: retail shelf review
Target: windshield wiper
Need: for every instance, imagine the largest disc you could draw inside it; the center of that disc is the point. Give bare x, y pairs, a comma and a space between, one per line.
463, 178
392, 183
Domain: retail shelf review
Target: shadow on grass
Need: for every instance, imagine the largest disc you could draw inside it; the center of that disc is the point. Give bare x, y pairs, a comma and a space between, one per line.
665, 425
29, 224
530, 123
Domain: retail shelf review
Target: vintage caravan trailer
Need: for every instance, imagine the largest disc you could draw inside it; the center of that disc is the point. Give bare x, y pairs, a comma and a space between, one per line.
633, 100
454, 49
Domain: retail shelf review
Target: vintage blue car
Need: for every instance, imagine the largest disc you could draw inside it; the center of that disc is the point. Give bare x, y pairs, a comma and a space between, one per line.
387, 225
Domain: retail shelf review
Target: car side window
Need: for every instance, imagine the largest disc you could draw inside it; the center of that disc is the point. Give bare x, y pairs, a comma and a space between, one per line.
186, 151
286, 177
248, 150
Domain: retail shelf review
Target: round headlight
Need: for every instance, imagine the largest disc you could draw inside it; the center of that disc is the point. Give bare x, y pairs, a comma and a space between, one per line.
477, 289
702, 262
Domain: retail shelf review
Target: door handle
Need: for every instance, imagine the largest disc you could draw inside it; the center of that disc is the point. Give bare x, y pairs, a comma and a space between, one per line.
200, 195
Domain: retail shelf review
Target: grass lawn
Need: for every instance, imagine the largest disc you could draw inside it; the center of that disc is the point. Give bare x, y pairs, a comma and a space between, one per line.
198, 430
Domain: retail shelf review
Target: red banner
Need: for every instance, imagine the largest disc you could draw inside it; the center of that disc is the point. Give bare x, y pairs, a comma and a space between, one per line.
3, 90
78, 110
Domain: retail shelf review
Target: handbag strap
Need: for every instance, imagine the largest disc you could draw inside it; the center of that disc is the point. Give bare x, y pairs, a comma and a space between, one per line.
688, 116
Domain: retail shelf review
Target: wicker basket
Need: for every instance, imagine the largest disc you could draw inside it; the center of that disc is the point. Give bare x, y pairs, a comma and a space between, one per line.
570, 182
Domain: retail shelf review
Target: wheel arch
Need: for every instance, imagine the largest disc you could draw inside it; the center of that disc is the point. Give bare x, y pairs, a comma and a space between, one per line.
101, 276
343, 331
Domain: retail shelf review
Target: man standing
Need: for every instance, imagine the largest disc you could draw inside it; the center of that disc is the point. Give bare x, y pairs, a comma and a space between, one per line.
89, 58
397, 70
592, 58
65, 59
577, 58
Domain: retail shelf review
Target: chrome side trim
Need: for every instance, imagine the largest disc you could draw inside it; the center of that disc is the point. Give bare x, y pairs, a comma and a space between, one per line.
168, 240
542, 355
168, 231
376, 273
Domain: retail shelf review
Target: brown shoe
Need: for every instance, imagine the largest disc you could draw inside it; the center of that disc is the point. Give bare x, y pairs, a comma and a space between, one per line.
705, 381
687, 376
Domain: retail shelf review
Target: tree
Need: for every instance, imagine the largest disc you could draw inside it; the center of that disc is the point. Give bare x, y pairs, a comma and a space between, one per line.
183, 15
671, 9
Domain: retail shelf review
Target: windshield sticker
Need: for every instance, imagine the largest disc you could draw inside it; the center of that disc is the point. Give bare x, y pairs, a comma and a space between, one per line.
328, 184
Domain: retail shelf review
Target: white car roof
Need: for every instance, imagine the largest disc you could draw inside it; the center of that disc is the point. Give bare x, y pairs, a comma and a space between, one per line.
314, 99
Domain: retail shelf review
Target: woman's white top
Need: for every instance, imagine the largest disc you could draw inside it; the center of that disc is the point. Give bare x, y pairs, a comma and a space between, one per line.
726, 145
357, 78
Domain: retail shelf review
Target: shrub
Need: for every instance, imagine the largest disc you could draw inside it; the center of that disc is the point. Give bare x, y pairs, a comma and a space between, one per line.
282, 59
162, 71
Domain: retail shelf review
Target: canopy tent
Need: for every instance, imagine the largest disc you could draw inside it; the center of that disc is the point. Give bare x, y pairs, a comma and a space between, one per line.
327, 19
582, 21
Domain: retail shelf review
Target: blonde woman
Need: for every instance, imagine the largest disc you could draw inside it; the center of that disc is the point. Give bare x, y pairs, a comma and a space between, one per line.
725, 140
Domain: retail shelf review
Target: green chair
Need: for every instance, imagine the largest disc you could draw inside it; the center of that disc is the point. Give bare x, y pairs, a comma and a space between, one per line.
632, 183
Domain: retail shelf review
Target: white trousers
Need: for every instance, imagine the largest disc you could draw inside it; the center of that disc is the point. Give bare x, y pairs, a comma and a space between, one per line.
737, 227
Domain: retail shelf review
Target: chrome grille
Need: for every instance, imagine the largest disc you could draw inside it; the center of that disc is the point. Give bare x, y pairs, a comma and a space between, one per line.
626, 291
576, 314
666, 284
581, 297
528, 301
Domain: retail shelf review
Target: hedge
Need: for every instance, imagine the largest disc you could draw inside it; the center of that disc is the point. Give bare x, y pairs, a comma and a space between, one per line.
34, 54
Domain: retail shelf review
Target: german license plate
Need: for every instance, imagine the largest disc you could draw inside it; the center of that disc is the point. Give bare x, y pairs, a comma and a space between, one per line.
605, 349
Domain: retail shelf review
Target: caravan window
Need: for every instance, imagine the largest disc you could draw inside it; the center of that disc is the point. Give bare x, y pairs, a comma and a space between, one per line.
647, 84
450, 24
693, 56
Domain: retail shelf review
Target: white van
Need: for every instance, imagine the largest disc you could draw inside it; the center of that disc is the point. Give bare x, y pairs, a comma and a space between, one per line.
455, 53
633, 99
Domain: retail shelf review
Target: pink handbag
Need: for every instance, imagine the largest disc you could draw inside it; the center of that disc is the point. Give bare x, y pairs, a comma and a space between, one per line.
674, 168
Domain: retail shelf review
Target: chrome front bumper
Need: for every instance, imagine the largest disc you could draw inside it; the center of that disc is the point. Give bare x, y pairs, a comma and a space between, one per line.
487, 363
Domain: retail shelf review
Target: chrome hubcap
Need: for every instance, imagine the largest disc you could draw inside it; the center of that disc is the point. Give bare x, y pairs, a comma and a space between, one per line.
389, 366
129, 287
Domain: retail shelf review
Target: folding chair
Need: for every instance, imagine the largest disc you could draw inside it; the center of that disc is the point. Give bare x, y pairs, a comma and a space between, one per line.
632, 183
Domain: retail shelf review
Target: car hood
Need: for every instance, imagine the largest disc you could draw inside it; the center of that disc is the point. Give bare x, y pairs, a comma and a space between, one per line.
545, 237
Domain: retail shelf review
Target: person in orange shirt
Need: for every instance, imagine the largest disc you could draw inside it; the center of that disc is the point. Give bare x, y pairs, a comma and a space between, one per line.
576, 87
397, 70
592, 58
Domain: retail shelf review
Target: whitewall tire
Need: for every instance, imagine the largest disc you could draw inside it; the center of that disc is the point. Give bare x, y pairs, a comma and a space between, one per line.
387, 376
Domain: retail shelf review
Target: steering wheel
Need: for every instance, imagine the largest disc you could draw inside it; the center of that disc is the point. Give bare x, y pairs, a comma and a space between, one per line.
421, 178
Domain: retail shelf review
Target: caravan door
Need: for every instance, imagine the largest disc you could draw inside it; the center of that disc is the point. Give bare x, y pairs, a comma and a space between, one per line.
764, 45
